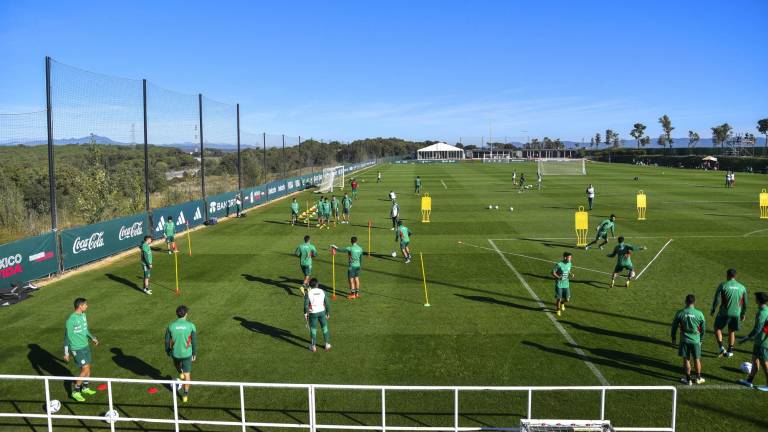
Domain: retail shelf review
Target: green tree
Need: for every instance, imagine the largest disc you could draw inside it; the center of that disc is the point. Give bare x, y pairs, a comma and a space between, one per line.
720, 134
762, 127
662, 141
644, 141
597, 140
693, 138
666, 125
637, 132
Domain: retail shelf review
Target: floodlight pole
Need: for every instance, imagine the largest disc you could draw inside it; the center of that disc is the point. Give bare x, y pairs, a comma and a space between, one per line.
146, 151
239, 170
202, 152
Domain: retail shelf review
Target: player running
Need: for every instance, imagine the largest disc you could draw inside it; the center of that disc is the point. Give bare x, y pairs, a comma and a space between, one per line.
76, 342
346, 204
403, 235
181, 346
732, 297
759, 334
146, 262
170, 235
355, 253
317, 309
538, 179
522, 182
305, 251
623, 254
378, 177
392, 196
417, 185
562, 274
394, 214
335, 209
294, 212
690, 322
514, 177
590, 195
602, 232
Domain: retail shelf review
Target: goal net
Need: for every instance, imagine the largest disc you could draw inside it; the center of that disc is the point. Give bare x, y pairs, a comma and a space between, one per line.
333, 178
562, 167
565, 426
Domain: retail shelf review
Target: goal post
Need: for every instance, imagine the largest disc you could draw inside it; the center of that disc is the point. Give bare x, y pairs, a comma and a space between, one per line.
333, 178
561, 166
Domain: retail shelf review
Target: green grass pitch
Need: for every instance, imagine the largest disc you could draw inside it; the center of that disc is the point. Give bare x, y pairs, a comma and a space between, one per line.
483, 328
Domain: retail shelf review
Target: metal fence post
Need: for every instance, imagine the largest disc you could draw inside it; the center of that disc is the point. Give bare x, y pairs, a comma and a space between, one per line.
239, 170
146, 156
298, 148
51, 166
283, 157
264, 161
202, 153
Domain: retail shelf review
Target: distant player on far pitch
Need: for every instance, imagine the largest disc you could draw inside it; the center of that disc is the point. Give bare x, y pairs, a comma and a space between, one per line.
562, 274
170, 235
732, 297
294, 212
602, 231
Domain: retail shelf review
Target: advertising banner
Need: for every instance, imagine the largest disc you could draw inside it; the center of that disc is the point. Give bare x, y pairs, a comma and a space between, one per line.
254, 196
222, 205
28, 259
190, 214
92, 242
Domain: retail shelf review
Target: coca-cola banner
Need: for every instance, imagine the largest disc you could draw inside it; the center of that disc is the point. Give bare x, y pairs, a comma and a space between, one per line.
190, 214
92, 242
28, 259
223, 204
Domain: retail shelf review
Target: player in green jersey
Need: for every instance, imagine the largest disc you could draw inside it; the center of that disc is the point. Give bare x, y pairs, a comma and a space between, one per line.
346, 204
181, 346
170, 235
294, 212
317, 309
602, 232
732, 297
146, 262
319, 210
759, 335
623, 254
76, 342
306, 251
327, 212
562, 274
417, 185
690, 322
335, 209
403, 235
355, 253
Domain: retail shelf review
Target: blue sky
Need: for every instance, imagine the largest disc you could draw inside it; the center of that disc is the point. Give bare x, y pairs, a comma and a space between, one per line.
416, 70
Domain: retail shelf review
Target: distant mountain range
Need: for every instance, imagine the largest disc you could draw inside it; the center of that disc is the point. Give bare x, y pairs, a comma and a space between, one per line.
98, 139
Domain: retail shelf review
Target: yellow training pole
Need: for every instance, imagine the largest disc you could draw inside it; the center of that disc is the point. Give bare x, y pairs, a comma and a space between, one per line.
333, 273
424, 278
189, 239
307, 214
176, 266
369, 238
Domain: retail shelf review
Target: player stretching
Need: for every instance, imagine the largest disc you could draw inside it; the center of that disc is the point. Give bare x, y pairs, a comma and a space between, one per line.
146, 262
355, 253
623, 254
759, 334
404, 236
346, 204
602, 231
417, 185
732, 297
317, 309
335, 209
306, 251
562, 274
690, 322
294, 212
181, 346
76, 338
170, 235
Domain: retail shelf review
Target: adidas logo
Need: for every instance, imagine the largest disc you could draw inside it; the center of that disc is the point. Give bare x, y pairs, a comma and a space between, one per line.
160, 224
198, 214
181, 220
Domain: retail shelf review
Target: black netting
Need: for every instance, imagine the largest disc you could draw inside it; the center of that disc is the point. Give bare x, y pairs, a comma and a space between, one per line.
220, 142
252, 158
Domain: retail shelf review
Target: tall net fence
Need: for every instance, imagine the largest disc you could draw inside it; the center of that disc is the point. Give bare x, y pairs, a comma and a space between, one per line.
252, 158
220, 143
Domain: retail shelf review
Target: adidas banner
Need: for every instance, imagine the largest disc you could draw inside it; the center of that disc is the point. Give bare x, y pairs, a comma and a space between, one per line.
27, 259
223, 204
92, 242
190, 214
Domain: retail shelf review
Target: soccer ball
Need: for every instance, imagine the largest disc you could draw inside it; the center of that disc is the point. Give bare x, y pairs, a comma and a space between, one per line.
511, 209
394, 254
746, 367
54, 406
111, 416
490, 207
496, 207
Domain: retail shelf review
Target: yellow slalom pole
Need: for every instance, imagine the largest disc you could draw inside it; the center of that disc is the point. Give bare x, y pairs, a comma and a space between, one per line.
424, 278
189, 239
307, 214
333, 273
176, 266
369, 237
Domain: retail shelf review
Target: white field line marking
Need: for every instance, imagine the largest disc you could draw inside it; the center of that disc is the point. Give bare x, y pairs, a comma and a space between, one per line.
632, 237
441, 181
755, 232
552, 318
654, 259
533, 258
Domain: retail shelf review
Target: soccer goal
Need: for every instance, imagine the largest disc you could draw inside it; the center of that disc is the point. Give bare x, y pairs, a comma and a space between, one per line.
565, 426
333, 178
562, 167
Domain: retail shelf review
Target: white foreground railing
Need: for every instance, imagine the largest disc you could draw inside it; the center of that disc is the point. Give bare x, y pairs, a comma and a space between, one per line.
311, 389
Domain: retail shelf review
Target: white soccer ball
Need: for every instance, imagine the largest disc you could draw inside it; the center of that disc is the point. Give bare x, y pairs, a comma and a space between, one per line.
394, 254
490, 207
746, 367
511, 209
496, 207
111, 416
54, 406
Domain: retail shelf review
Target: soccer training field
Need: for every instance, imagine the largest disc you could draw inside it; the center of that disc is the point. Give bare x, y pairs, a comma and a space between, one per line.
485, 325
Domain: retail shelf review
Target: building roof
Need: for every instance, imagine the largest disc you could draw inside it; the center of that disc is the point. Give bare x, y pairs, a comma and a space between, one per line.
441, 146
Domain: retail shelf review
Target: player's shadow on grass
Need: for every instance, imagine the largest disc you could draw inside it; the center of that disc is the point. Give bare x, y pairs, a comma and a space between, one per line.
491, 300
730, 216
274, 332
45, 363
386, 257
283, 222
124, 281
617, 334
136, 365
374, 227
290, 288
592, 283
549, 243
756, 417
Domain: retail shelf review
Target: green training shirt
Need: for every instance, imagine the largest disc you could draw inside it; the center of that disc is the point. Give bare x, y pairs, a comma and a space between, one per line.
346, 202
605, 226
563, 271
146, 254
732, 297
690, 321
76, 335
403, 233
305, 252
170, 228
623, 252
335, 204
295, 207
418, 182
759, 332
355, 254
181, 339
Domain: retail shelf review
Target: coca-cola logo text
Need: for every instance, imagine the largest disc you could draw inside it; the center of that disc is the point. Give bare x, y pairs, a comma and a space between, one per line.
95, 241
134, 230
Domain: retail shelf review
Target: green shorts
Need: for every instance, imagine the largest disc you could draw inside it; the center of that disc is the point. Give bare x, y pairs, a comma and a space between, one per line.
184, 364
353, 272
306, 269
314, 318
170, 239
147, 271
619, 268
689, 349
82, 356
563, 293
404, 244
733, 323
602, 235
761, 353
